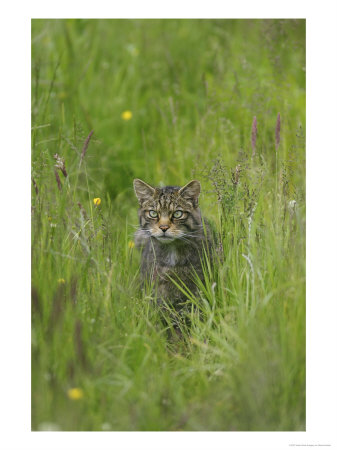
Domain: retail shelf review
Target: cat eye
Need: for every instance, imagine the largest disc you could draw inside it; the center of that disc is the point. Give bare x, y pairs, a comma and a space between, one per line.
153, 213
178, 214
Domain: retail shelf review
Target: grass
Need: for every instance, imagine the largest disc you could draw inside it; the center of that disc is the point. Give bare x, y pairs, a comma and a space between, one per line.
193, 87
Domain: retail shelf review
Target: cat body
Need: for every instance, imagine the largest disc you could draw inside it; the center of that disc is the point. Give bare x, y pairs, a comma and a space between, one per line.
173, 237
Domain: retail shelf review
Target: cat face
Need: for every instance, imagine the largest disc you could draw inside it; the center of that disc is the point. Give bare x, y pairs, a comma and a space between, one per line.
168, 213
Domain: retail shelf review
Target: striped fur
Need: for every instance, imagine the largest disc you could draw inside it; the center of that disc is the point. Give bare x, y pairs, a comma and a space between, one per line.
171, 246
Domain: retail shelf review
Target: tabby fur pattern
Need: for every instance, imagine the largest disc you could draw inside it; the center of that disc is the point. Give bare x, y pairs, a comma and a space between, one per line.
173, 237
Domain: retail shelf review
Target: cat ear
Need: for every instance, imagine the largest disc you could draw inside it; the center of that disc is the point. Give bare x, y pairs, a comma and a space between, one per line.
143, 190
191, 191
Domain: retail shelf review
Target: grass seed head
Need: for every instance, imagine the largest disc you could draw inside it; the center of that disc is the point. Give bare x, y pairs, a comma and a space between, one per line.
277, 131
254, 135
86, 144
35, 186
60, 164
58, 181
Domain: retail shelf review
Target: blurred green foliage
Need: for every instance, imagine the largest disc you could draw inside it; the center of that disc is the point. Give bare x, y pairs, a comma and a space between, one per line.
193, 87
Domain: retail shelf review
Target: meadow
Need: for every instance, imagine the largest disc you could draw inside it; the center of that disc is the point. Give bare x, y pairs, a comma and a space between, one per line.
168, 101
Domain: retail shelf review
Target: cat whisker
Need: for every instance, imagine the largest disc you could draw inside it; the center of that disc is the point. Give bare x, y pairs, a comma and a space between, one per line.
193, 235
183, 238
195, 231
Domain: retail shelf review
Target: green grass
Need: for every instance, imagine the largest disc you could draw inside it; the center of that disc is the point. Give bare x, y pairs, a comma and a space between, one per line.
193, 87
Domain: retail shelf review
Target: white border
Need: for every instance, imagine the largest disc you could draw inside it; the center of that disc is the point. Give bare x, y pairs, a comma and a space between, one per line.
321, 228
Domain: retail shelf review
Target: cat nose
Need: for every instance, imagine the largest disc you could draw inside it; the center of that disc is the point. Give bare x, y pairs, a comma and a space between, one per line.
164, 227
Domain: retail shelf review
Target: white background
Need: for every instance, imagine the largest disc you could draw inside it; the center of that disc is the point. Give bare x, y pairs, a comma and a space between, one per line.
321, 133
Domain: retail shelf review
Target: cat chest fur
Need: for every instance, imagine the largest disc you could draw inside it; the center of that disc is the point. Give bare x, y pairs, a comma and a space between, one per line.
171, 258
161, 263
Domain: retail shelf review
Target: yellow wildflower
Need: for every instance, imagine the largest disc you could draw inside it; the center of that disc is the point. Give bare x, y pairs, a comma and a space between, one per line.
126, 115
61, 280
75, 393
131, 244
97, 201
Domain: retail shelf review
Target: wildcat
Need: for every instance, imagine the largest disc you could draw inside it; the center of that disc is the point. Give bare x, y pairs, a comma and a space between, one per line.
173, 237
